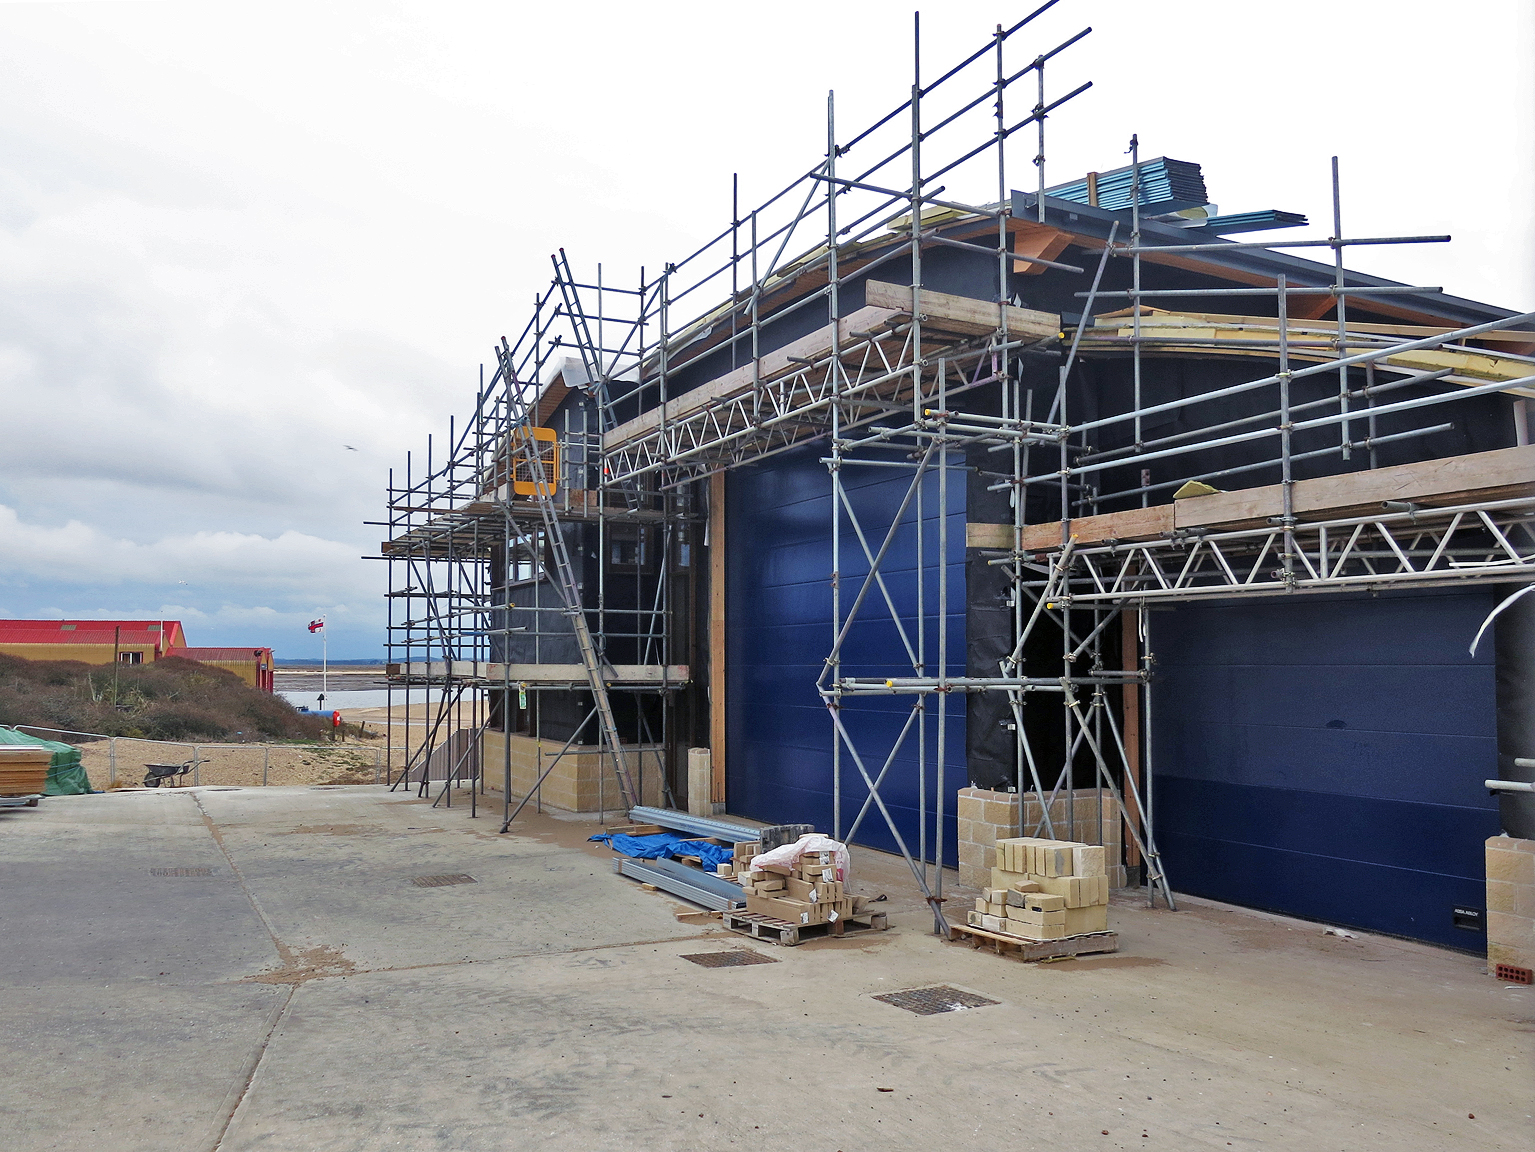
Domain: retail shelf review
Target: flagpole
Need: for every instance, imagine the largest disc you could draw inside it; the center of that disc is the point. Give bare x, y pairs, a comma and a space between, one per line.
324, 663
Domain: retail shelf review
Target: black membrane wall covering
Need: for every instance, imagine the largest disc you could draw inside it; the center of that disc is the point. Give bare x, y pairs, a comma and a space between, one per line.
990, 744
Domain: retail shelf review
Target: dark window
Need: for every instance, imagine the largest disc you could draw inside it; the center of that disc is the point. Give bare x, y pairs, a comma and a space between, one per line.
628, 551
521, 566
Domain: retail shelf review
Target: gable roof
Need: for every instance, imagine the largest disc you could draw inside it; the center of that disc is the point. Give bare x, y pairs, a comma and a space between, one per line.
162, 634
1252, 267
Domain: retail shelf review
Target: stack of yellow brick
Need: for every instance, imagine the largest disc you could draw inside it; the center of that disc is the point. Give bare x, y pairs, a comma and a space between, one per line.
1087, 816
1045, 890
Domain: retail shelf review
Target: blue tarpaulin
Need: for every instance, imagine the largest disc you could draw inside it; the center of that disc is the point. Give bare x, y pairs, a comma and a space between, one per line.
666, 846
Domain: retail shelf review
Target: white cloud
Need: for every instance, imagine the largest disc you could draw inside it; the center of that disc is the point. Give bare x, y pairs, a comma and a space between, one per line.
229, 588
292, 564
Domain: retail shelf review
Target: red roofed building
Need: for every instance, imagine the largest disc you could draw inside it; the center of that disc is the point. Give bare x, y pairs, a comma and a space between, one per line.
91, 641
129, 642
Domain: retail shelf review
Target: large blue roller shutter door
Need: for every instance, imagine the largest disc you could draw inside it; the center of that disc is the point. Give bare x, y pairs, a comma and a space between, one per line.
1325, 757
779, 612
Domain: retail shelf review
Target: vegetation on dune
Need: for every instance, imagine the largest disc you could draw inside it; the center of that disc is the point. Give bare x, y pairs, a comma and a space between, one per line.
170, 699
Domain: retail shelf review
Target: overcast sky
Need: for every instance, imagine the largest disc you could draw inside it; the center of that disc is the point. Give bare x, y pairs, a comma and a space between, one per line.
236, 239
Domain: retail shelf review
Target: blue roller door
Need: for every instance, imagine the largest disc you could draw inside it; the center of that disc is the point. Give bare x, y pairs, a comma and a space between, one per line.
778, 603
1325, 758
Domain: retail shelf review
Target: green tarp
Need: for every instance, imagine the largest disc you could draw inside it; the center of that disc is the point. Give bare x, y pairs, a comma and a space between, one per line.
66, 775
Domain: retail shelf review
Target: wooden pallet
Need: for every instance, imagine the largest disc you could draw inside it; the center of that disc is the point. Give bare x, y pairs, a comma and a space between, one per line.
1028, 950
775, 931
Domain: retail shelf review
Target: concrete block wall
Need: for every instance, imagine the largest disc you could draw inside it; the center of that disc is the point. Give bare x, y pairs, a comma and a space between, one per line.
986, 817
1510, 902
582, 781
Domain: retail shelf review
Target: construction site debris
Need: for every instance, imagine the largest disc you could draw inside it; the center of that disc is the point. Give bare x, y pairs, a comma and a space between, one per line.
806, 850
799, 886
780, 834
797, 889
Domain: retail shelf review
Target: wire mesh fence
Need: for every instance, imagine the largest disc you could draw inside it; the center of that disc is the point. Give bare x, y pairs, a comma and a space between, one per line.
122, 761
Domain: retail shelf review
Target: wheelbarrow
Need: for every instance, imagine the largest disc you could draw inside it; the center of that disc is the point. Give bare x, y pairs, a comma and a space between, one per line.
157, 774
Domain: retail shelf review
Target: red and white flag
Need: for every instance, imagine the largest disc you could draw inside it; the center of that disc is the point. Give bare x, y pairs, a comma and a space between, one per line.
317, 625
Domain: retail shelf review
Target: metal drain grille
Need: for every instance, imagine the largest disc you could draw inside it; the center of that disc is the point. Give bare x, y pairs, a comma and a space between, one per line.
735, 958
181, 871
931, 1001
442, 881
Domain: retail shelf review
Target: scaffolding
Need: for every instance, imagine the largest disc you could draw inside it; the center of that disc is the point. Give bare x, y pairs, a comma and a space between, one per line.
489, 552
894, 377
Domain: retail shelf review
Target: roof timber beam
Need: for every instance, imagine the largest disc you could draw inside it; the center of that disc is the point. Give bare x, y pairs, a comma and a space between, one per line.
1502, 474
1171, 333
1509, 336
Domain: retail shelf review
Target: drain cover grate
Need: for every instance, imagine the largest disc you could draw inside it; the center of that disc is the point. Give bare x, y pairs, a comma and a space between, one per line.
732, 959
442, 881
931, 1001
181, 871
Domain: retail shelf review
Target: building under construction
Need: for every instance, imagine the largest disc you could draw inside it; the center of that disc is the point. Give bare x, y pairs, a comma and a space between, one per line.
929, 485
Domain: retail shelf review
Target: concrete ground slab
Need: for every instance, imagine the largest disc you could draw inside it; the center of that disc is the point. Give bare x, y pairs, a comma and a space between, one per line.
322, 1001
335, 868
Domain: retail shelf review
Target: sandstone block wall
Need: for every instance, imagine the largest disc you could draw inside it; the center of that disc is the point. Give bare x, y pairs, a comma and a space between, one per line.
582, 781
1510, 903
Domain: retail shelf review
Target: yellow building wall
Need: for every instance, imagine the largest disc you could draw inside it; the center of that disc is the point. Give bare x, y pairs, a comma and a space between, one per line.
85, 653
247, 670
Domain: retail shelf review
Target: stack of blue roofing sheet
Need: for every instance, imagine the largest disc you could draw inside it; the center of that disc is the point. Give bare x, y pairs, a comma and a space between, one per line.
1254, 221
1166, 186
